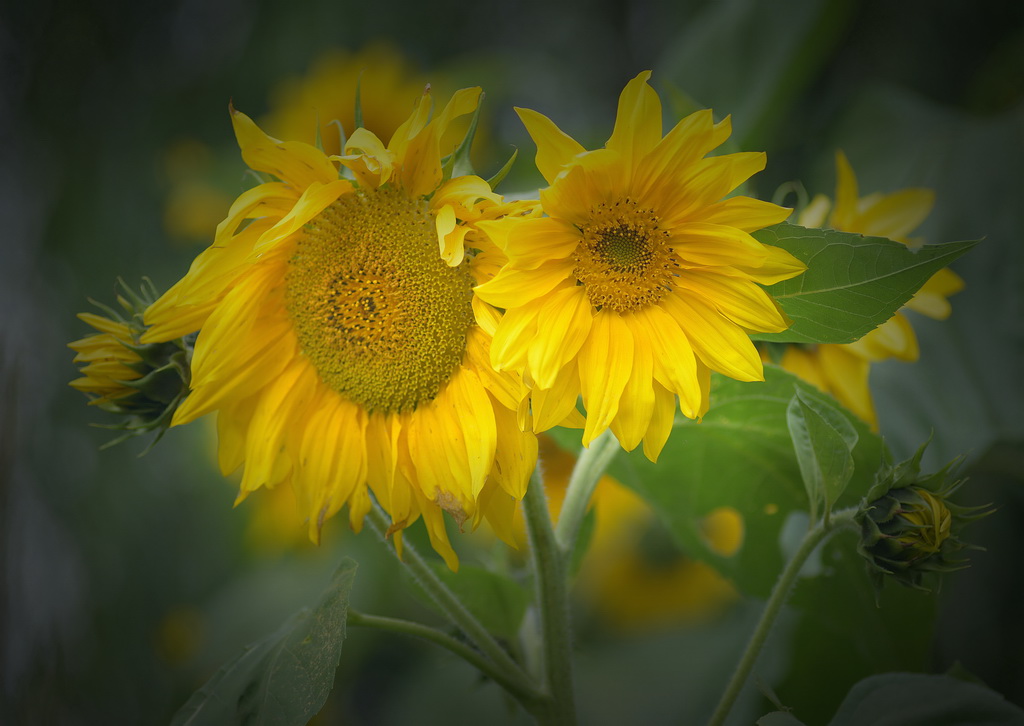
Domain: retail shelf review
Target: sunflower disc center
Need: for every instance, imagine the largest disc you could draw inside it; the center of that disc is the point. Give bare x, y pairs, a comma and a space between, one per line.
377, 312
624, 260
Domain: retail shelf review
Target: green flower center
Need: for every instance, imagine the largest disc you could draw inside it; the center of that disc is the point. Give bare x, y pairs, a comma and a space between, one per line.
377, 312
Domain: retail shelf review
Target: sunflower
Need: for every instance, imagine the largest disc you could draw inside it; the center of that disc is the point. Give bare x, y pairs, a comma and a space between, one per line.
337, 336
641, 279
842, 370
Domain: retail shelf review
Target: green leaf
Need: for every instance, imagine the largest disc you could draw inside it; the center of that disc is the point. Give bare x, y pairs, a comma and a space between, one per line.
740, 456
914, 699
496, 600
852, 284
495, 180
284, 678
823, 440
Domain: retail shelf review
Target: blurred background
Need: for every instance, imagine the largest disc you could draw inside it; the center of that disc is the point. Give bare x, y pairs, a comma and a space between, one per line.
127, 581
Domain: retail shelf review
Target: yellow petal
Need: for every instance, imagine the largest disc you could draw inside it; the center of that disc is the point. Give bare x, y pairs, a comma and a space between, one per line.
675, 366
931, 300
565, 323
637, 121
699, 243
708, 181
555, 148
847, 379
777, 265
314, 200
742, 213
668, 162
636, 407
516, 458
471, 410
605, 364
717, 341
741, 301
552, 406
513, 288
533, 242
294, 162
844, 212
662, 418
898, 214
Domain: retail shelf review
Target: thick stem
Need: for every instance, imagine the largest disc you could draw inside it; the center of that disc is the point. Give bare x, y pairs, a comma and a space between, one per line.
449, 603
551, 577
588, 471
776, 600
521, 689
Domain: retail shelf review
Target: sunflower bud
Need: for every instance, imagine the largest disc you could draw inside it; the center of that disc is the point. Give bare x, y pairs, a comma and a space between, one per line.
910, 527
142, 383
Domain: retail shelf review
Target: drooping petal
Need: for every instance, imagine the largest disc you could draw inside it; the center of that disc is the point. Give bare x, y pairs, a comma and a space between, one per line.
720, 343
563, 325
605, 364
675, 366
636, 407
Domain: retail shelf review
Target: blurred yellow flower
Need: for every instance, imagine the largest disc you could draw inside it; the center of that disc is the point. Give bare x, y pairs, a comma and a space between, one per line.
384, 78
337, 334
842, 370
641, 279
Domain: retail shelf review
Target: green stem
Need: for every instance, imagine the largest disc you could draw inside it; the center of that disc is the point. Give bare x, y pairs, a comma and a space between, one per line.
551, 577
447, 600
588, 471
776, 600
522, 689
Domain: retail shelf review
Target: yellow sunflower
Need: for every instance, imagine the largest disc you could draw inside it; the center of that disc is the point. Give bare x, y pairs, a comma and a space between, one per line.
641, 279
842, 370
337, 337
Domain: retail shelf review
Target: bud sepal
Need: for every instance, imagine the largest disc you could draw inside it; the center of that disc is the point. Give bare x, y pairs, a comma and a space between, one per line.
909, 526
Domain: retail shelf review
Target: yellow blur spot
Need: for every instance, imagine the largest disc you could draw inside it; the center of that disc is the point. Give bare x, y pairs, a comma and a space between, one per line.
722, 529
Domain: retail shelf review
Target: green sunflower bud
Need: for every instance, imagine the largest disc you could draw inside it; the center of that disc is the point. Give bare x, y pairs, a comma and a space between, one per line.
143, 383
909, 527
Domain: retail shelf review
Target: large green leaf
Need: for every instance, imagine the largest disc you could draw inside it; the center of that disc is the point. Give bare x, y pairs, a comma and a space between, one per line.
915, 699
284, 678
740, 456
852, 284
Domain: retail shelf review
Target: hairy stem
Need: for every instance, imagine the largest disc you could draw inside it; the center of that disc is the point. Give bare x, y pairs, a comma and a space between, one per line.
551, 577
776, 600
589, 469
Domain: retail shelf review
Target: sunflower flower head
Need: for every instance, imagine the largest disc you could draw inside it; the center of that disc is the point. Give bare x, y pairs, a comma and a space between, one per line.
642, 277
842, 370
909, 525
144, 383
337, 336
